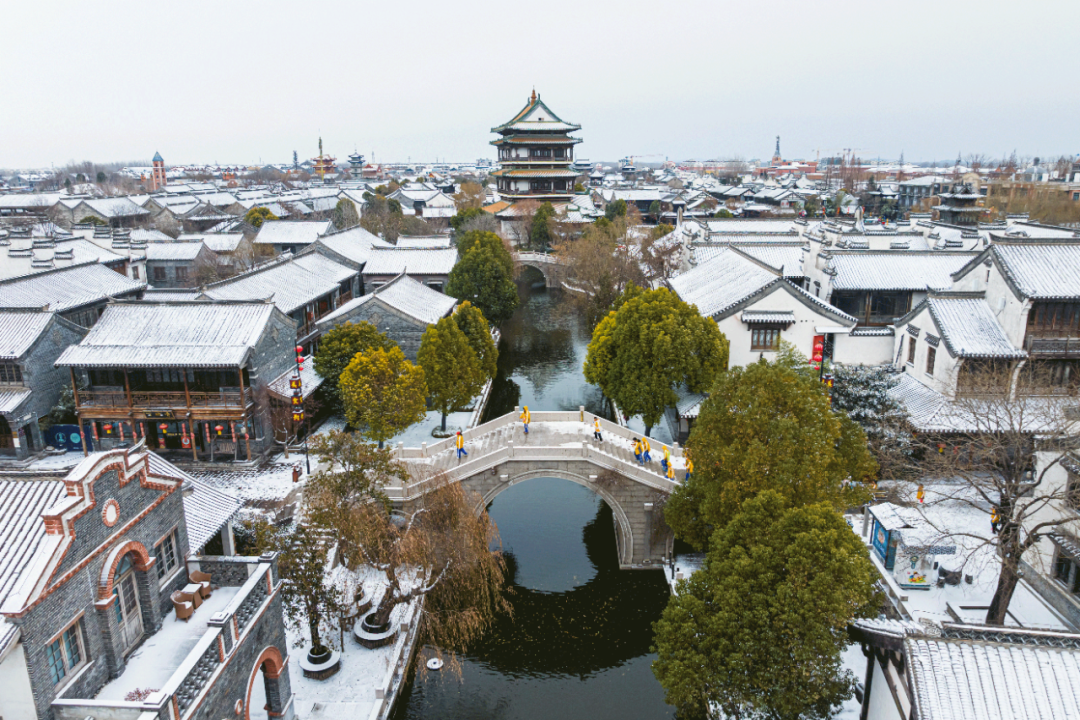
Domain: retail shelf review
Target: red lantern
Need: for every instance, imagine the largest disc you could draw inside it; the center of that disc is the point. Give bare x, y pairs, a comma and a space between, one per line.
163, 427
108, 428
218, 429
299, 350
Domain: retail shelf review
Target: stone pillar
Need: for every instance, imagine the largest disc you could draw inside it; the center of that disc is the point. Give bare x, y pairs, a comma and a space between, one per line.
110, 635
278, 692
228, 540
648, 530
146, 585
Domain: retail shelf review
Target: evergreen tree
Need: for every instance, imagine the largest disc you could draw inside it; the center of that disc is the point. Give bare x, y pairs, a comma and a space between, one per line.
484, 275
651, 343
615, 209
767, 427
453, 369
476, 329
862, 392
383, 393
465, 215
344, 214
256, 216
758, 631
540, 229
337, 347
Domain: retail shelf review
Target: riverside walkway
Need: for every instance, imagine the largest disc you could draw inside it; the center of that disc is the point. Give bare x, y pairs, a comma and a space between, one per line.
559, 444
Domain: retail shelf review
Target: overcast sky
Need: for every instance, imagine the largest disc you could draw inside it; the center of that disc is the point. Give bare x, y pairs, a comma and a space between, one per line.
244, 82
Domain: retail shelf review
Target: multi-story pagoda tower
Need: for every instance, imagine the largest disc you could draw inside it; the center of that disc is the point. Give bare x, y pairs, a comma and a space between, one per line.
535, 153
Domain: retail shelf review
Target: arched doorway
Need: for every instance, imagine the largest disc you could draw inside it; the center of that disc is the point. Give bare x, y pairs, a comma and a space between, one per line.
267, 686
127, 606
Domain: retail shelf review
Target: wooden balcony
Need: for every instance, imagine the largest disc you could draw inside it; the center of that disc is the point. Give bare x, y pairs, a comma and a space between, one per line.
1053, 347
143, 400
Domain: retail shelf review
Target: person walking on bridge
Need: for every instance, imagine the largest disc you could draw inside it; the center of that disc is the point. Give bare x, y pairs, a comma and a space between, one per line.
596, 429
461, 445
666, 462
645, 456
670, 472
525, 417
689, 468
637, 451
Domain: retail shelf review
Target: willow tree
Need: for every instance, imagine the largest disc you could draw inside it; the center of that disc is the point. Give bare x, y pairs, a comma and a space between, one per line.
651, 344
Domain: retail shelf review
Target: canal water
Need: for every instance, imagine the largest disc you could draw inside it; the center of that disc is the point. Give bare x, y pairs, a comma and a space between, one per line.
577, 646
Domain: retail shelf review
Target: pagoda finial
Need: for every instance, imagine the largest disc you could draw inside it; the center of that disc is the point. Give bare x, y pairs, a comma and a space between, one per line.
777, 146
533, 98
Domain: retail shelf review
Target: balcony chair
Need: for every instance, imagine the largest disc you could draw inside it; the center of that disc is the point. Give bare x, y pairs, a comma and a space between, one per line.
203, 580
182, 605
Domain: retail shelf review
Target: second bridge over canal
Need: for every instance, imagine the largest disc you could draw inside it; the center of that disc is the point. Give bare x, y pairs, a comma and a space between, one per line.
559, 444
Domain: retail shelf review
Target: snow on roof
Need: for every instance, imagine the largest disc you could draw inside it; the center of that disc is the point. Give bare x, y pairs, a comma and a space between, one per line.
11, 398
173, 250
1041, 270
22, 531
66, 288
899, 270
206, 511
171, 335
172, 295
290, 232
424, 241
787, 257
353, 244
993, 675
115, 207
721, 282
218, 242
414, 261
290, 284
737, 227
310, 380
19, 329
406, 295
969, 327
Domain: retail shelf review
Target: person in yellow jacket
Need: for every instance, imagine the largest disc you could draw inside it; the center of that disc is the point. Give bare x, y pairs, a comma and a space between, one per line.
596, 429
461, 445
646, 447
995, 520
637, 450
525, 417
671, 472
666, 462
920, 494
689, 468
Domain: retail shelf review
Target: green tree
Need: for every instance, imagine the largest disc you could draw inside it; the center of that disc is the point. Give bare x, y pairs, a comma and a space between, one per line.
540, 229
256, 216
352, 473
651, 343
383, 393
344, 214
337, 348
101, 177
453, 370
767, 427
465, 215
758, 631
615, 209
484, 276
655, 209
579, 188
93, 220
472, 322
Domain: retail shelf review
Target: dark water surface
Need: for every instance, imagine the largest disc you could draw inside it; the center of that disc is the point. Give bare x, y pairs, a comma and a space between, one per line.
578, 644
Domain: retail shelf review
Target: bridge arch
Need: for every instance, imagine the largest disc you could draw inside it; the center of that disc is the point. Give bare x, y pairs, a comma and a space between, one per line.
624, 532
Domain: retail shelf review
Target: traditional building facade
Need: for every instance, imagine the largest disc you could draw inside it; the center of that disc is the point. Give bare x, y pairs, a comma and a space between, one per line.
88, 590
535, 154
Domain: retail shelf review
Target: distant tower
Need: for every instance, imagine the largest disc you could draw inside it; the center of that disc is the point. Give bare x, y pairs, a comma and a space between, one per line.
776, 159
157, 179
535, 154
356, 165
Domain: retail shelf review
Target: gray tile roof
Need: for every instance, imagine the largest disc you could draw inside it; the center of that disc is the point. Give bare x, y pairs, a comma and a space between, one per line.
173, 250
292, 284
12, 397
289, 232
414, 261
66, 288
353, 244
1043, 271
206, 511
721, 282
899, 270
21, 527
195, 334
405, 295
19, 329
969, 328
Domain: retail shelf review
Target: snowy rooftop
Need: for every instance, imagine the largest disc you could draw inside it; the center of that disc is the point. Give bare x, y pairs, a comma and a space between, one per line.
171, 335
290, 282
66, 288
969, 328
19, 330
405, 295
414, 261
721, 282
353, 244
173, 250
206, 510
1041, 270
901, 270
288, 232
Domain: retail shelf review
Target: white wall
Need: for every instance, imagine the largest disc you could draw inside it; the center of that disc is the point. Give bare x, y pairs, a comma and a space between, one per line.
16, 698
945, 365
863, 350
882, 705
1010, 310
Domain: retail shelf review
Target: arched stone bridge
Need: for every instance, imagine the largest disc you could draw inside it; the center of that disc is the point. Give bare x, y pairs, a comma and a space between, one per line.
561, 445
552, 268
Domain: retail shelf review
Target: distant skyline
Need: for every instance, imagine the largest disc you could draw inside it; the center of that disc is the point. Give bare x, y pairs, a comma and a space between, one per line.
240, 82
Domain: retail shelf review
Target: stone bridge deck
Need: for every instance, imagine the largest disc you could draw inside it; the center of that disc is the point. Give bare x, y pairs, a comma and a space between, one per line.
559, 444
550, 266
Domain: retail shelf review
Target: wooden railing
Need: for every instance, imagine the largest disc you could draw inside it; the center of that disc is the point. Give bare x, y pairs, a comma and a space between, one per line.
161, 399
1062, 347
